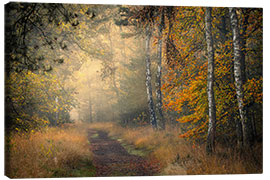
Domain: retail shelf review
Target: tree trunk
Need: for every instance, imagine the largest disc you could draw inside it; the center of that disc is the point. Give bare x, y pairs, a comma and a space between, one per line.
224, 26
113, 75
90, 104
224, 30
171, 50
89, 99
123, 49
243, 44
238, 75
210, 146
161, 121
153, 119
253, 122
243, 40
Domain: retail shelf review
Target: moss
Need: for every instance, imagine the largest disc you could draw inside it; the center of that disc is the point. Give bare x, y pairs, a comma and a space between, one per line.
94, 135
84, 169
132, 149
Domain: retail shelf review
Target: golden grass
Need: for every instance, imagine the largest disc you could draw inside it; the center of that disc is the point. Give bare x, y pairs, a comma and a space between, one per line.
53, 150
43, 153
178, 156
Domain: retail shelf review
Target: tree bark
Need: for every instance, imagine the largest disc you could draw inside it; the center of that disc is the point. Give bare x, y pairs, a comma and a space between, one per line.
243, 40
153, 119
171, 50
238, 75
225, 31
90, 102
210, 145
224, 26
253, 123
243, 44
161, 120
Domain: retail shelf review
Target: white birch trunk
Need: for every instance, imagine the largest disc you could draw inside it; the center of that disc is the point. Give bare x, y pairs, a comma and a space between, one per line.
210, 146
161, 120
239, 76
153, 119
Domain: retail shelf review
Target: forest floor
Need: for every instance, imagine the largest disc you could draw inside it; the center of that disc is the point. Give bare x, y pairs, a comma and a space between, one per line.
107, 149
110, 158
124, 151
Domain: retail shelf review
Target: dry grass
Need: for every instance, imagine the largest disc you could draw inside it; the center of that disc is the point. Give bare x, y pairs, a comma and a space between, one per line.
52, 152
178, 156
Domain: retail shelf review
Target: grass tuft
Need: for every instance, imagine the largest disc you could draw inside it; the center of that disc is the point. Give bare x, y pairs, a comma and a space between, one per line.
52, 152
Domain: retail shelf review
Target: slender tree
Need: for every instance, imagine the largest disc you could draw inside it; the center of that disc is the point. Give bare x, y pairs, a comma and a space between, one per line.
153, 119
90, 101
246, 13
171, 50
238, 75
210, 146
161, 121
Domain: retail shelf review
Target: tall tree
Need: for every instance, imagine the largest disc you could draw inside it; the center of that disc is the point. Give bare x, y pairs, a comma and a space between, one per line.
171, 50
161, 121
210, 146
145, 19
153, 119
238, 75
90, 100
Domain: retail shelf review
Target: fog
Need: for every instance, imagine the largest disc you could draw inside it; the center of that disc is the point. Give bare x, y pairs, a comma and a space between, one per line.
99, 62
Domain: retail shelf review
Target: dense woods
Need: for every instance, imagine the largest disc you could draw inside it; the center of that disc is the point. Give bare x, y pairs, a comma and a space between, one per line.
196, 71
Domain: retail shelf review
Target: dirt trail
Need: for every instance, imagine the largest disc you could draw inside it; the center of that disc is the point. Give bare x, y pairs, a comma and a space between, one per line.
111, 159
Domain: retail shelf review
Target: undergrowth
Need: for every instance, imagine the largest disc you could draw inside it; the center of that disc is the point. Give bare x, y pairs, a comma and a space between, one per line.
64, 152
52, 152
178, 156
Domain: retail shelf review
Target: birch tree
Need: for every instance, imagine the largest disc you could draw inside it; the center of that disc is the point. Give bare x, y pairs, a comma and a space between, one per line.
153, 119
210, 146
238, 75
161, 121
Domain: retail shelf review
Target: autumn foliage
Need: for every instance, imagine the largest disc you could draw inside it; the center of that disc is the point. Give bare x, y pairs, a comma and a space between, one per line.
36, 100
185, 82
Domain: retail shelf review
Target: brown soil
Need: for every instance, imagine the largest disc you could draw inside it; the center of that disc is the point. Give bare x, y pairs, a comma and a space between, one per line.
110, 158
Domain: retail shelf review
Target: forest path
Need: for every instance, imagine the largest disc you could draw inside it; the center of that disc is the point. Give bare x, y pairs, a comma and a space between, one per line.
110, 158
